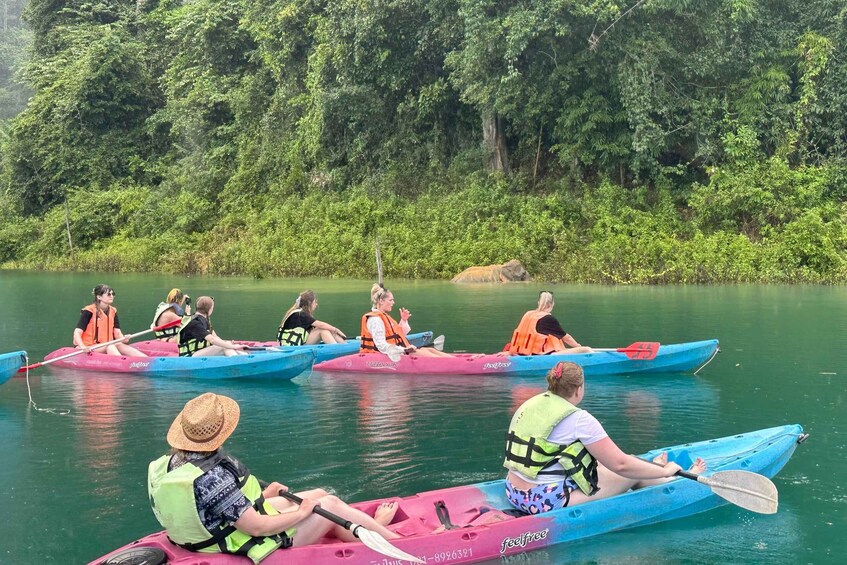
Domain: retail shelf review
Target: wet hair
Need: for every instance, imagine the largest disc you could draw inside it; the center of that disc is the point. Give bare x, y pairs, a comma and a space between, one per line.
174, 296
204, 304
305, 300
378, 292
545, 299
564, 378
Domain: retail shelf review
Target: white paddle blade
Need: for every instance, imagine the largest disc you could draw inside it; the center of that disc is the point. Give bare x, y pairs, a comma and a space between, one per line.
378, 543
438, 343
750, 491
394, 353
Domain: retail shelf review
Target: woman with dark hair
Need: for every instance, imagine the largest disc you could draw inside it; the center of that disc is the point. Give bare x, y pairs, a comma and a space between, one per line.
98, 323
177, 306
299, 326
559, 455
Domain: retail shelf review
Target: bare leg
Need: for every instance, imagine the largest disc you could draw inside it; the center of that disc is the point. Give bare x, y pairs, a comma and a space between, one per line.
129, 350
612, 484
313, 528
580, 349
429, 352
211, 351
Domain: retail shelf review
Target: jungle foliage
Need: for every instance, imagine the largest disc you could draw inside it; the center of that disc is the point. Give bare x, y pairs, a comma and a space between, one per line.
648, 141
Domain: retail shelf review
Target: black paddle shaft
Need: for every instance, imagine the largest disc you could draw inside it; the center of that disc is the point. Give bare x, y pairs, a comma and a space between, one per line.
319, 511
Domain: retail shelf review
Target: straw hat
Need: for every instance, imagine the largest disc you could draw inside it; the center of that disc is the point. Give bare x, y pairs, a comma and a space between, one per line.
204, 423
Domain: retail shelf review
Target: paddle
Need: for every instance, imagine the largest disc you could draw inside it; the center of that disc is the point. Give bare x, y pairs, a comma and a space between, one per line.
640, 350
395, 351
371, 539
750, 491
100, 345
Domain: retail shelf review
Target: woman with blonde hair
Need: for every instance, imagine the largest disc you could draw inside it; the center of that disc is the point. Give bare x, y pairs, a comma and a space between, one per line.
539, 332
380, 331
299, 326
177, 306
559, 455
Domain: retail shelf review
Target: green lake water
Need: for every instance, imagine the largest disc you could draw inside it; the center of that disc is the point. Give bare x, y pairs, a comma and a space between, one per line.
74, 484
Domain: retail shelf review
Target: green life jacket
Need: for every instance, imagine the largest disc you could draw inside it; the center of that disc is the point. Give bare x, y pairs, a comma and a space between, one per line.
172, 331
187, 347
529, 453
172, 498
291, 336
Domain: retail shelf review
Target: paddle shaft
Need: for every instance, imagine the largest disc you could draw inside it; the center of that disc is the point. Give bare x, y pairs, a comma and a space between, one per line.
101, 345
346, 524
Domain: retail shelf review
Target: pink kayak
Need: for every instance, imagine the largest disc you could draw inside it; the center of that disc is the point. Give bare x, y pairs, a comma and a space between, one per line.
671, 358
471, 523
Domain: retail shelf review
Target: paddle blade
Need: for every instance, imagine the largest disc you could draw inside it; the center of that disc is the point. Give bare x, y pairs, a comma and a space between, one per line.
438, 343
750, 491
378, 543
641, 350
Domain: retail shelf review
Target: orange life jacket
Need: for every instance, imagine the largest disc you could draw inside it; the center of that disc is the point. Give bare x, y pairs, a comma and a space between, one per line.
393, 333
527, 341
101, 328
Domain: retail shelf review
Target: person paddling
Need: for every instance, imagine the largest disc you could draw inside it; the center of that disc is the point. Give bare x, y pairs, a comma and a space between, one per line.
559, 455
299, 326
209, 502
540, 333
177, 306
198, 339
99, 323
380, 331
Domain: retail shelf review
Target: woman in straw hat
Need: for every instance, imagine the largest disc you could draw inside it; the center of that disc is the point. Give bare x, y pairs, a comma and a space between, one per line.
209, 502
559, 455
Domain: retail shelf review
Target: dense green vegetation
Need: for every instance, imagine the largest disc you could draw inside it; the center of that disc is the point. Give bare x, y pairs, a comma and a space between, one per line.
651, 141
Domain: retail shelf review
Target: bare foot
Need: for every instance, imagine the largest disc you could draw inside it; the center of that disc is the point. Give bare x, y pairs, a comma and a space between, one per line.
385, 513
697, 467
661, 459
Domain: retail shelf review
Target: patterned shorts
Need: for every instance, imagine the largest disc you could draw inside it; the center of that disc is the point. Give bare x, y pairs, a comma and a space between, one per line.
540, 498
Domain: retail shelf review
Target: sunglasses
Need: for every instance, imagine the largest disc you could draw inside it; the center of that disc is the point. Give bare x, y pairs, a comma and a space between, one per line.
110, 293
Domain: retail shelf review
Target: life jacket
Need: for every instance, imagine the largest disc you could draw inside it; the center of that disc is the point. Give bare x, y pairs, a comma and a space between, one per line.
291, 336
393, 333
172, 498
529, 453
172, 331
101, 328
188, 346
527, 341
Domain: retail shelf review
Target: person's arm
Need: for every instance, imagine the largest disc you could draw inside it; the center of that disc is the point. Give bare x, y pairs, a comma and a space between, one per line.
324, 326
213, 338
84, 320
404, 321
610, 455
255, 524
549, 325
116, 331
377, 330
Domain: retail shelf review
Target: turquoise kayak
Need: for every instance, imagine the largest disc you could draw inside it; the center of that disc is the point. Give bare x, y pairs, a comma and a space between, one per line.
678, 357
322, 351
10, 363
280, 365
470, 523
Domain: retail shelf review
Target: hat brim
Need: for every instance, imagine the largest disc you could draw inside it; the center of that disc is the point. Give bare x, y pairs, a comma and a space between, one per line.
178, 439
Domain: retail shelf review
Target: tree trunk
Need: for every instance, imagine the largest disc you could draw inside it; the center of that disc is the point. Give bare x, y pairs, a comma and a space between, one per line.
494, 141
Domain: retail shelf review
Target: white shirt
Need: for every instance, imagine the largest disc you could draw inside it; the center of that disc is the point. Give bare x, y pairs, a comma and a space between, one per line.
580, 426
377, 329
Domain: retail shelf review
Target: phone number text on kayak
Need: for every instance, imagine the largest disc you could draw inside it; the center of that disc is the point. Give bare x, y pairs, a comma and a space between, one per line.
440, 557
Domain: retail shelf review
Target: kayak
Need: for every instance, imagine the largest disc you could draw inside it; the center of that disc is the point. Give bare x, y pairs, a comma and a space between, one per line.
280, 365
680, 357
322, 351
484, 527
10, 363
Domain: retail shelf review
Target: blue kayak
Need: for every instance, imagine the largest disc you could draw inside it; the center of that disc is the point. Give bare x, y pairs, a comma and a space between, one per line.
10, 363
321, 351
481, 524
280, 365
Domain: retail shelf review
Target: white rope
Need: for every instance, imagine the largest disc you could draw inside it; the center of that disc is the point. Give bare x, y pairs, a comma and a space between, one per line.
57, 411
